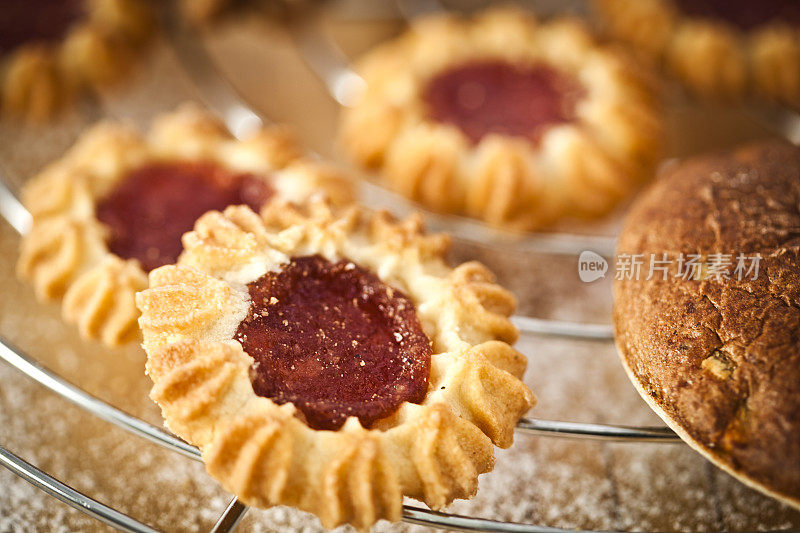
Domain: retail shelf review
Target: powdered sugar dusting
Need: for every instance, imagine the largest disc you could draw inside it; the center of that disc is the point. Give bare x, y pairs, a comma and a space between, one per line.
539, 480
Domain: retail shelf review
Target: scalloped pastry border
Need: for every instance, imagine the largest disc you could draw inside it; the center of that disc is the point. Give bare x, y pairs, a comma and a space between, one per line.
578, 169
41, 78
204, 12
433, 451
65, 255
712, 57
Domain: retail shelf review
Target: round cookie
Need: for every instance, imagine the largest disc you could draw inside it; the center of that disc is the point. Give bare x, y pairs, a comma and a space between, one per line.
722, 49
333, 361
503, 118
114, 207
715, 352
52, 51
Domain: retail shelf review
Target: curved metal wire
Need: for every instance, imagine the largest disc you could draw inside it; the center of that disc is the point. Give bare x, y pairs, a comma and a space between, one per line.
605, 432
327, 60
14, 357
532, 426
73, 498
476, 232
12, 210
236, 510
241, 115
20, 219
231, 517
221, 97
344, 85
553, 428
779, 120
454, 522
559, 328
328, 63
217, 93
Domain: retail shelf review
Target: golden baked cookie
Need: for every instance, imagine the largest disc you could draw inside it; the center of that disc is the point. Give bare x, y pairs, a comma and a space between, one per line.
713, 347
204, 11
116, 204
505, 119
333, 363
718, 48
50, 51
210, 12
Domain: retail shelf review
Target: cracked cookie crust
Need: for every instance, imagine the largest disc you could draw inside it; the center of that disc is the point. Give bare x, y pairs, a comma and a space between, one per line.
505, 119
51, 51
117, 203
718, 358
272, 329
718, 48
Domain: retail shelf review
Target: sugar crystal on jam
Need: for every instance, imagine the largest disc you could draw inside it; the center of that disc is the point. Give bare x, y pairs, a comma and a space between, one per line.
335, 341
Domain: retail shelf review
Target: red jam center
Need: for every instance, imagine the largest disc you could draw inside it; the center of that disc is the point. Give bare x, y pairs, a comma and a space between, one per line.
335, 341
23, 21
745, 14
499, 97
154, 205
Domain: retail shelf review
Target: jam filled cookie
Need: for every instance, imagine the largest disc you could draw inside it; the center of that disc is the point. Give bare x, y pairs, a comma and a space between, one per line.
718, 48
205, 11
333, 363
116, 205
50, 50
504, 119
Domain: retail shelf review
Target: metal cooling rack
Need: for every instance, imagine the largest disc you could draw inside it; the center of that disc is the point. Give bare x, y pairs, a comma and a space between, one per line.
330, 64
219, 95
19, 218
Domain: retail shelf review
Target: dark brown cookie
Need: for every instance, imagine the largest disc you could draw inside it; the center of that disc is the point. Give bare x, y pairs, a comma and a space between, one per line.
718, 358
